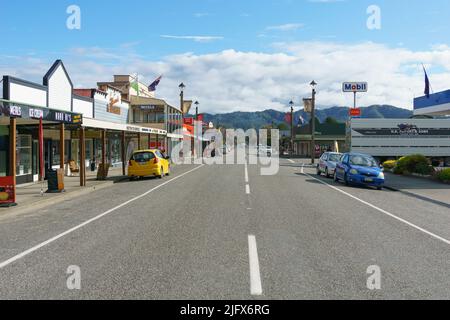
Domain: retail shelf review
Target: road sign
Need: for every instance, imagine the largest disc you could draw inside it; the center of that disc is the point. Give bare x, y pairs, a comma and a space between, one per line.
355, 87
355, 112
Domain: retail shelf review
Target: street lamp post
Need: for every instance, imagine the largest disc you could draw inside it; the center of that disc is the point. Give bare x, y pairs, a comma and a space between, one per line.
313, 122
196, 110
182, 87
291, 104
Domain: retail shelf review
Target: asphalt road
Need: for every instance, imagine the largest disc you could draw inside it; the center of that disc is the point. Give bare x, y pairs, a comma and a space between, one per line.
226, 232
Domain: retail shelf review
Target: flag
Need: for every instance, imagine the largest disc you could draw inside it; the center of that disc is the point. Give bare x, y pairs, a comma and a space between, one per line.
427, 83
301, 120
135, 86
288, 118
155, 83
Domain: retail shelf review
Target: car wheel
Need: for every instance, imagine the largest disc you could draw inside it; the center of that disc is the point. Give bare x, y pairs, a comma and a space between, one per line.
168, 172
327, 174
379, 188
162, 173
336, 179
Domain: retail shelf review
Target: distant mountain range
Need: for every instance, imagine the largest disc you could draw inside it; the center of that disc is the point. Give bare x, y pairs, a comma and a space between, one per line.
247, 120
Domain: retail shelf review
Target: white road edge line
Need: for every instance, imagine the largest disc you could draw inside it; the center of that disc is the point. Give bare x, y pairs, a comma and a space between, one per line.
255, 275
49, 241
247, 189
383, 211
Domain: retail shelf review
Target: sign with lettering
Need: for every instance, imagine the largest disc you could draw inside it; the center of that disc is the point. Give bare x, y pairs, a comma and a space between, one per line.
355, 87
355, 112
7, 191
28, 112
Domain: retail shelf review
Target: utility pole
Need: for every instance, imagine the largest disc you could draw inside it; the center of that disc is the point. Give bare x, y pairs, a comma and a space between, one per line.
313, 122
292, 127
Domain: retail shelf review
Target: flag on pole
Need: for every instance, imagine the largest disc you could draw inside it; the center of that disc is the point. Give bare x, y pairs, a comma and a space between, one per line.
152, 87
427, 83
135, 86
288, 118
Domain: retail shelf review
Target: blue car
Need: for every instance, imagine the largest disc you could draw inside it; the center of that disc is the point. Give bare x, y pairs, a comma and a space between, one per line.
359, 169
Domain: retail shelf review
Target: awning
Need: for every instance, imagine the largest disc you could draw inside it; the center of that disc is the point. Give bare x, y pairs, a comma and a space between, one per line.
99, 124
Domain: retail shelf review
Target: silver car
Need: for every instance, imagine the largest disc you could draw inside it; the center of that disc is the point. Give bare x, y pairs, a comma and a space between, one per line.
327, 163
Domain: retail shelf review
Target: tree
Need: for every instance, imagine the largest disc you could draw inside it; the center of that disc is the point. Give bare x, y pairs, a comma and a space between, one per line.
283, 127
331, 120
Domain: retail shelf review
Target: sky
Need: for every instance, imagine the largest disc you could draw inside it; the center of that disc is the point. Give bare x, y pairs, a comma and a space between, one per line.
237, 55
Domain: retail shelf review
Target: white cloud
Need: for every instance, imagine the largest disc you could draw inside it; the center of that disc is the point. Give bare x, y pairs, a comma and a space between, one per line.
231, 80
194, 38
287, 27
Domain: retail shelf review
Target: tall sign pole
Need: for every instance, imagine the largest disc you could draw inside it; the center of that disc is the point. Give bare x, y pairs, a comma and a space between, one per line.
353, 87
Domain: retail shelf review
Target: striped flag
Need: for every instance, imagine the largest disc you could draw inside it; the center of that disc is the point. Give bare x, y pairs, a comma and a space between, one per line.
154, 84
427, 83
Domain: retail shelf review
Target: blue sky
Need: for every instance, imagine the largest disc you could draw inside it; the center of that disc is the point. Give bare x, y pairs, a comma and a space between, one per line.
114, 32
39, 26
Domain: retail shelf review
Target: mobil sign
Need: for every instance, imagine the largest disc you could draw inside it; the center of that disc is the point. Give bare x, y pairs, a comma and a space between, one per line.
354, 87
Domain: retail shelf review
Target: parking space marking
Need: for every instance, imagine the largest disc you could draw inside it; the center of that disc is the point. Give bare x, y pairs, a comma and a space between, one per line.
247, 189
255, 274
382, 210
59, 236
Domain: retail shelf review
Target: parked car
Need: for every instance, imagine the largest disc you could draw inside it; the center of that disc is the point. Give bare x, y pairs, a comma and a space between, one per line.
327, 163
144, 163
264, 151
359, 169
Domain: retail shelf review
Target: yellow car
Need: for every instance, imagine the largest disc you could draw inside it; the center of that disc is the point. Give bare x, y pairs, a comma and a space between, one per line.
145, 163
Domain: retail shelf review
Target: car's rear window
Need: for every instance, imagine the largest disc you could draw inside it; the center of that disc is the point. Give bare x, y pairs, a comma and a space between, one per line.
334, 157
143, 156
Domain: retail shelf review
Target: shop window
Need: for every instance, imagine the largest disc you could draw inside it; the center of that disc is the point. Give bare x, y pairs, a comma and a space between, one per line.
24, 155
4, 146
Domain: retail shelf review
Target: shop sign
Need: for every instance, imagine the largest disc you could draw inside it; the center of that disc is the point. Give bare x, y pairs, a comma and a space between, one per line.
405, 130
28, 112
148, 107
354, 87
7, 191
355, 112
134, 129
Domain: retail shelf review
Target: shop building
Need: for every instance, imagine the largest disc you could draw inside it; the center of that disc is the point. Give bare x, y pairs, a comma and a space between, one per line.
80, 127
328, 136
436, 104
149, 112
394, 138
23, 106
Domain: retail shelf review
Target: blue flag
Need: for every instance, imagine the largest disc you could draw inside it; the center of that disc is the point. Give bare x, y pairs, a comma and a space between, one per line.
427, 84
155, 83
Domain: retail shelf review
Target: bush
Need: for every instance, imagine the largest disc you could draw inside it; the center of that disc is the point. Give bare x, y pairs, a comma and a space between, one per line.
444, 175
390, 164
415, 163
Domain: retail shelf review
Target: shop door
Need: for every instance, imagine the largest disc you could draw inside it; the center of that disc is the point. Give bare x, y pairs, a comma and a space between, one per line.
48, 155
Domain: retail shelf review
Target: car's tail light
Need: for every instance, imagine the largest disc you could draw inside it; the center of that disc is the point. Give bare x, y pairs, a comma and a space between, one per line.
156, 161
129, 163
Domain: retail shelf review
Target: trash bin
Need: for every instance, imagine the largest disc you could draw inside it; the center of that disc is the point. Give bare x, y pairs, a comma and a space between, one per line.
92, 164
55, 181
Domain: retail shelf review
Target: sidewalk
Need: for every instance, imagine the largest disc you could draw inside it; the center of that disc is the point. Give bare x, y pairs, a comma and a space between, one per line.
34, 196
422, 188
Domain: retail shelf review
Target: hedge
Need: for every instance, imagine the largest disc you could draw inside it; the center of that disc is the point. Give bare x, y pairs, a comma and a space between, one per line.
444, 175
415, 163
